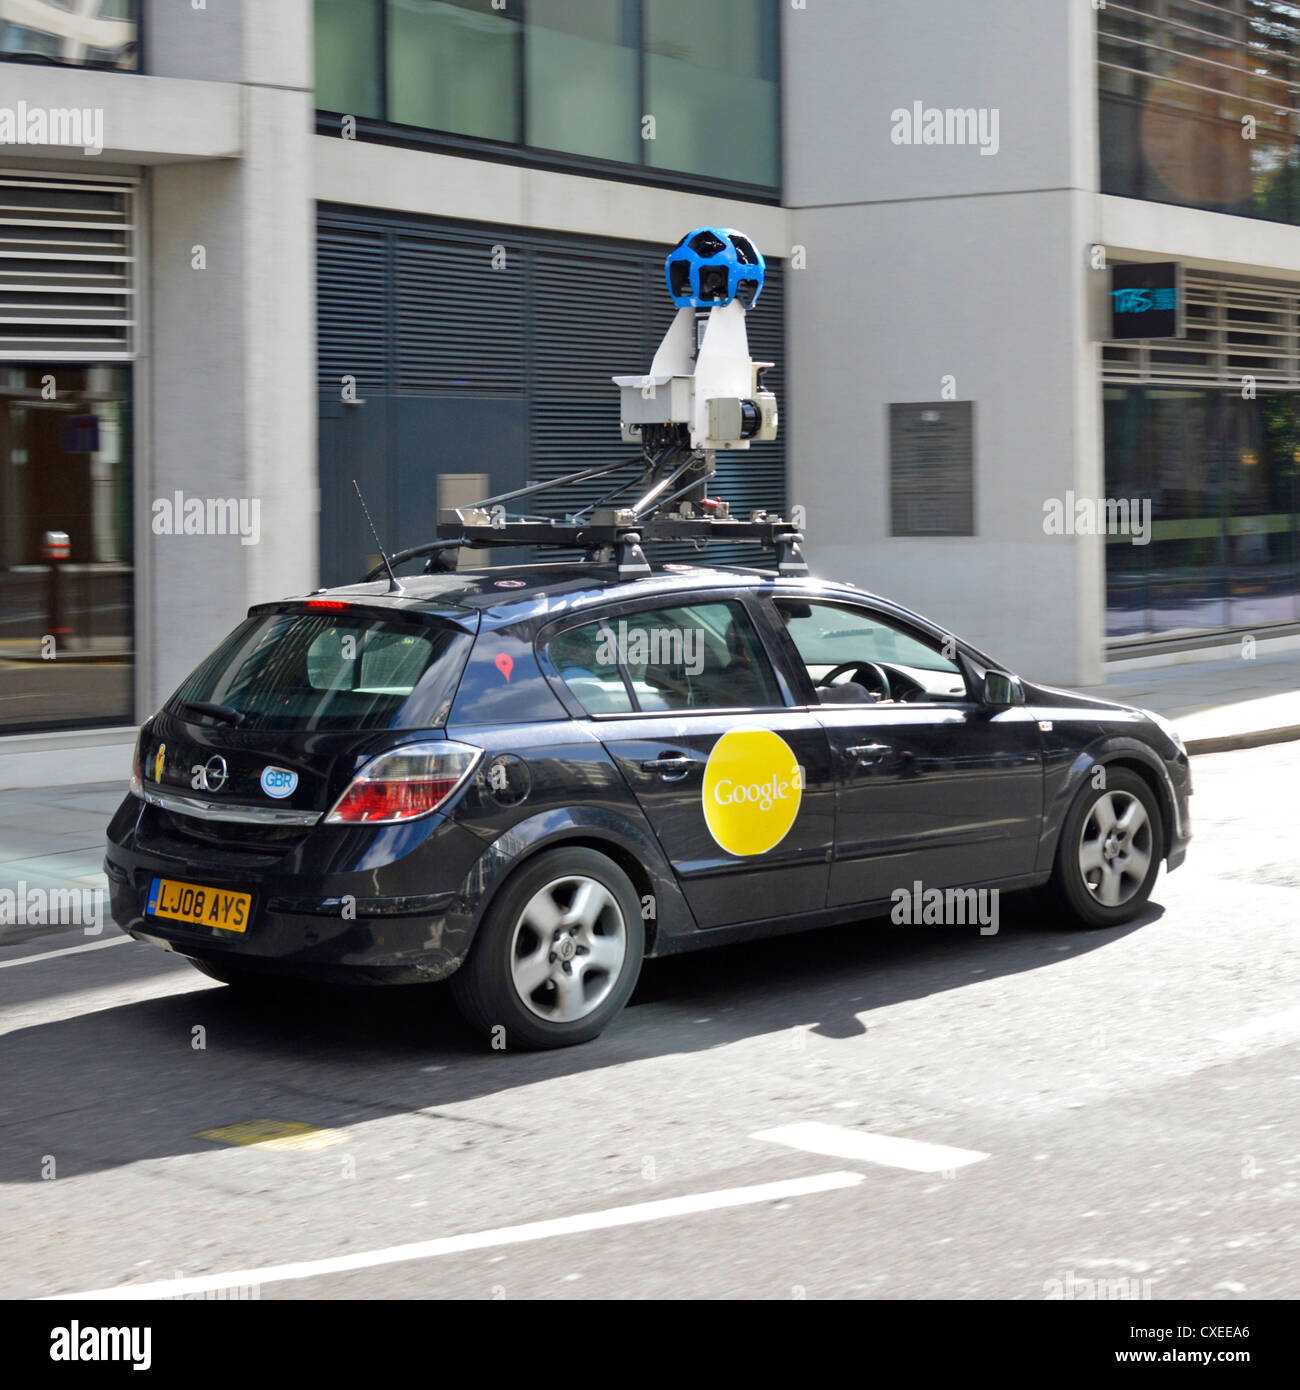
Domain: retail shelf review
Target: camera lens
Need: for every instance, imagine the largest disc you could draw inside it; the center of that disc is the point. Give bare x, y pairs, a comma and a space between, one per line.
713, 283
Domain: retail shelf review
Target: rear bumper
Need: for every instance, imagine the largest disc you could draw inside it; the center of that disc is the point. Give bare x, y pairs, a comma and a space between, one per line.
376, 946
379, 907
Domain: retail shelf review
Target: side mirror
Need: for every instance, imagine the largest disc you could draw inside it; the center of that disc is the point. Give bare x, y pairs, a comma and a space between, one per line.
1001, 689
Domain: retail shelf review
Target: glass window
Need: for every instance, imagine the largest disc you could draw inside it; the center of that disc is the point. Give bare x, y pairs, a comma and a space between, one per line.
712, 87
700, 656
1179, 81
704, 656
1127, 598
829, 635
66, 625
453, 65
347, 57
582, 63
580, 77
385, 663
1223, 476
1264, 516
34, 42
1185, 457
100, 33
310, 671
587, 661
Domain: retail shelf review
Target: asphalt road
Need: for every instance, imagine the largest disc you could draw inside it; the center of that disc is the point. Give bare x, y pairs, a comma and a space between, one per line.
1121, 1106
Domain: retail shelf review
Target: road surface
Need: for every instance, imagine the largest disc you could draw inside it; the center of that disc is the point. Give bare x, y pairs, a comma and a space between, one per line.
870, 1111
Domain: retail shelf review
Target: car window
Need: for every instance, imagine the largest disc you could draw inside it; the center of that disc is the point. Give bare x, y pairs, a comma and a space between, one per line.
370, 661
307, 670
829, 635
695, 656
586, 661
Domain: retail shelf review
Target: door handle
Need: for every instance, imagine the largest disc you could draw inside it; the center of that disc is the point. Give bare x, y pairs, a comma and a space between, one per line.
671, 767
862, 753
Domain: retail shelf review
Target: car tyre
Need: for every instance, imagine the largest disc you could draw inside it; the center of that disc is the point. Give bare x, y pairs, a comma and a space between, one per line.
556, 956
1109, 853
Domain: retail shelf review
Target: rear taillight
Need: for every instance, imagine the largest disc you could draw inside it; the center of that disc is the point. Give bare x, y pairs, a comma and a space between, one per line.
404, 784
137, 769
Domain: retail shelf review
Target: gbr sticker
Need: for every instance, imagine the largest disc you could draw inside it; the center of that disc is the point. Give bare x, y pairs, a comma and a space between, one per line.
753, 785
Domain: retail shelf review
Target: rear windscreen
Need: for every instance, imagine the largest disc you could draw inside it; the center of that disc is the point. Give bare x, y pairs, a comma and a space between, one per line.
331, 671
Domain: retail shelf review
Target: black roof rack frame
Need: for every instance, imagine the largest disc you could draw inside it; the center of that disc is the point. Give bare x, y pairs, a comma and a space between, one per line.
609, 534
605, 532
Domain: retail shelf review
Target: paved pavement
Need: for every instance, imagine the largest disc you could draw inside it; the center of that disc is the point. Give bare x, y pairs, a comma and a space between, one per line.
1234, 702
870, 1111
54, 840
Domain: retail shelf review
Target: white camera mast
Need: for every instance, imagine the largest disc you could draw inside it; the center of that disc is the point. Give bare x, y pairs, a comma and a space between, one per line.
703, 393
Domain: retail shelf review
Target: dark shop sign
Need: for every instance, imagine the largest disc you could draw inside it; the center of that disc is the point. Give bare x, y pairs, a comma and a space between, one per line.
1146, 301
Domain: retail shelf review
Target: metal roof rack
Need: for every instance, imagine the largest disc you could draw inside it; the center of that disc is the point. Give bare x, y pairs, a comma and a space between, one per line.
607, 533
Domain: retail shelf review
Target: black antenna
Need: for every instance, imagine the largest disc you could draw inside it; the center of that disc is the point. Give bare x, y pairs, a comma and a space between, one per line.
394, 587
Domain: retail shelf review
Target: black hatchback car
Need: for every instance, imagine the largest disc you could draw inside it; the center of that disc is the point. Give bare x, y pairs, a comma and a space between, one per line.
526, 780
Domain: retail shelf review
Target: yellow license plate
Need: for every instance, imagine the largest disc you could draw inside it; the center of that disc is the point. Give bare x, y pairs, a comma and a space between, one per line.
205, 907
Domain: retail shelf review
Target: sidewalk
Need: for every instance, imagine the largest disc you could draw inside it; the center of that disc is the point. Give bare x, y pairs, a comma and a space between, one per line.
53, 841
1218, 705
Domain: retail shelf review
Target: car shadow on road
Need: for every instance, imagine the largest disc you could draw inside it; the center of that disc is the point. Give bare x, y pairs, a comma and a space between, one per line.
138, 1081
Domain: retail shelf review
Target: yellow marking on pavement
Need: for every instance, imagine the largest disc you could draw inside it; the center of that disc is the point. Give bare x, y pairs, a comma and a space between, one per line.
279, 1135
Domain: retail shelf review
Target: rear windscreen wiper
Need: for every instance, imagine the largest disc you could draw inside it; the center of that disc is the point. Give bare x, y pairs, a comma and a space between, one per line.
228, 714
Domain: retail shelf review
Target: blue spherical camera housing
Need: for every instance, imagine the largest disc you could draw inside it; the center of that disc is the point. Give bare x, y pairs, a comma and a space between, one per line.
712, 266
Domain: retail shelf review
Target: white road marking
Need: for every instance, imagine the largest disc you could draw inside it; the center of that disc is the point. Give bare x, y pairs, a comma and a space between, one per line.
66, 951
634, 1215
913, 1154
1273, 1026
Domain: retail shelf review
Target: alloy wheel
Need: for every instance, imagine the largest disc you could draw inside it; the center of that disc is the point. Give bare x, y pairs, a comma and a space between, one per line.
1115, 847
568, 948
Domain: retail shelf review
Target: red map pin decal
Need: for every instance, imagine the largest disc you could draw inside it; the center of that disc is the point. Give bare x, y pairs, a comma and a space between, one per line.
505, 664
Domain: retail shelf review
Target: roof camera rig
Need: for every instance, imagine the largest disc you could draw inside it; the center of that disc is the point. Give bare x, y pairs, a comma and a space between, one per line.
703, 393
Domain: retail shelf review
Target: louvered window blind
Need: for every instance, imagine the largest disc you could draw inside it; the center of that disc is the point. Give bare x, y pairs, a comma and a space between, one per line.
67, 283
1236, 327
411, 306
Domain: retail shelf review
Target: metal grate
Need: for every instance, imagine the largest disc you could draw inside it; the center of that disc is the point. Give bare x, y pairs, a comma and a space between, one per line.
422, 308
1236, 328
67, 251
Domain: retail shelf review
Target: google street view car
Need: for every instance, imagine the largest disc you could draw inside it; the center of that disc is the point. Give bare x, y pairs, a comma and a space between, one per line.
526, 779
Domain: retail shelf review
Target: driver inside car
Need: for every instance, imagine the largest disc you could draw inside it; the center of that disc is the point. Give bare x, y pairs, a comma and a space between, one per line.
848, 692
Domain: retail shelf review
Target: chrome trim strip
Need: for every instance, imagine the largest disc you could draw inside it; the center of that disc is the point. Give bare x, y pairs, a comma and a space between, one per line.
212, 810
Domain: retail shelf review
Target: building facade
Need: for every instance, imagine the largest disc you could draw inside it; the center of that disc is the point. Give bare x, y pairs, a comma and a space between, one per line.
999, 161
252, 252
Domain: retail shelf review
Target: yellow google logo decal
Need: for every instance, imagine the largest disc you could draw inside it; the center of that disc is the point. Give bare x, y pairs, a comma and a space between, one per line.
752, 789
